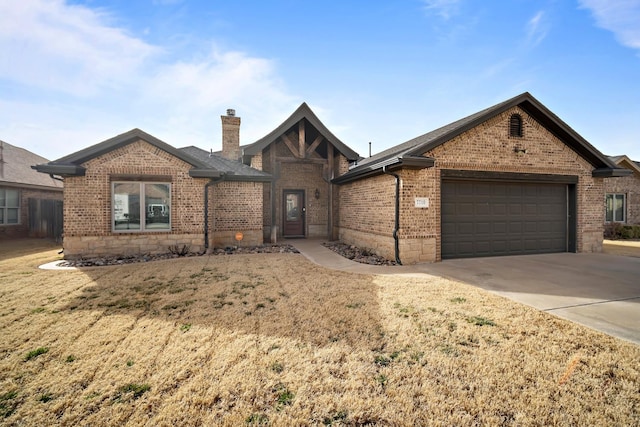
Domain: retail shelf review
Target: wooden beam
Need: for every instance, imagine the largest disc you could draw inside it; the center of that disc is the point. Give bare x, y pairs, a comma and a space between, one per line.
314, 145
330, 173
290, 145
301, 139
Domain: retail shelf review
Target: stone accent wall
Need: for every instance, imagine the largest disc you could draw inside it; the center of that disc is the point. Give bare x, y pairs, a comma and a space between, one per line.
88, 204
629, 185
236, 207
14, 231
367, 205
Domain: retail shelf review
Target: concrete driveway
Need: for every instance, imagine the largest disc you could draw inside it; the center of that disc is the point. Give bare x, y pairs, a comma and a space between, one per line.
599, 291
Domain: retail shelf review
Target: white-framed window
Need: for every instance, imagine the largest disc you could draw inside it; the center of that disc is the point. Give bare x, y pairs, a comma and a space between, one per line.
616, 208
9, 206
141, 206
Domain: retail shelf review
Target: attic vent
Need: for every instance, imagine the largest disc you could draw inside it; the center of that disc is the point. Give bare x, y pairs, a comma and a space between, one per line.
515, 126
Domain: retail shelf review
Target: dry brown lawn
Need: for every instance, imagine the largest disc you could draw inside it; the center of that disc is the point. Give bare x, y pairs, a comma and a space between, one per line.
273, 339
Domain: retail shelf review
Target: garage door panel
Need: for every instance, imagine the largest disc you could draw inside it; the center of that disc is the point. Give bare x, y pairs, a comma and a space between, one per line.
483, 228
502, 218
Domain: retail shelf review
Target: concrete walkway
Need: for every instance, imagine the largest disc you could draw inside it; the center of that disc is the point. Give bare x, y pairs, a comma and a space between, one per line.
599, 291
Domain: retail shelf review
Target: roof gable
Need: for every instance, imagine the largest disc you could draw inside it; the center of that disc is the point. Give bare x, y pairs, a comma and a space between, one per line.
418, 146
302, 112
625, 162
72, 164
15, 168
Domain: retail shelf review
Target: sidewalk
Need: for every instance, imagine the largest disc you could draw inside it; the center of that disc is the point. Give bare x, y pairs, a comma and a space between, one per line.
315, 252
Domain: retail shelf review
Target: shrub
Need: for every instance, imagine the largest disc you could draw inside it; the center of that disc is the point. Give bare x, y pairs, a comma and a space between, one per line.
616, 231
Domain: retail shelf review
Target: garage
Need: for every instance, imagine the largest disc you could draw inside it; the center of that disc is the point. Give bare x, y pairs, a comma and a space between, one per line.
499, 217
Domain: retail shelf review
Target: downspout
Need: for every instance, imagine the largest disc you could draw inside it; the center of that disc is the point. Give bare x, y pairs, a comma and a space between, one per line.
397, 220
206, 210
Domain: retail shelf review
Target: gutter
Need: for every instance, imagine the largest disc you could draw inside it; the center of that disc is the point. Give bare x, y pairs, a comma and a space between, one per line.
206, 210
397, 220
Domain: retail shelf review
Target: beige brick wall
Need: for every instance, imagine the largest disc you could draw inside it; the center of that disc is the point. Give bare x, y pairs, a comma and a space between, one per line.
88, 204
629, 185
367, 205
236, 207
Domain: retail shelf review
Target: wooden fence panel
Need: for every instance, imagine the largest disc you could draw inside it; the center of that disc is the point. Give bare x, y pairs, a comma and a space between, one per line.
45, 218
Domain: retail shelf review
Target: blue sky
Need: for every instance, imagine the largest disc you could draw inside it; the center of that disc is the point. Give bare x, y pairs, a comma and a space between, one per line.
74, 73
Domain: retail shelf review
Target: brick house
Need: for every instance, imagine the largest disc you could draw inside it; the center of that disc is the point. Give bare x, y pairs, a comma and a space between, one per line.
134, 193
511, 179
622, 194
28, 200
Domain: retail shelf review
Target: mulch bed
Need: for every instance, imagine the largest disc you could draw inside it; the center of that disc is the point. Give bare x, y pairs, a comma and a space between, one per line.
357, 254
229, 250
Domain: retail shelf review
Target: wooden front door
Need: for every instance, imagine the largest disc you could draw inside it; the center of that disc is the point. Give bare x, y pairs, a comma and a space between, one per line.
294, 211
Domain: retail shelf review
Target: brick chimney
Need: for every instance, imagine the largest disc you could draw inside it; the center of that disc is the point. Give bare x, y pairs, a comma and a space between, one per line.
231, 135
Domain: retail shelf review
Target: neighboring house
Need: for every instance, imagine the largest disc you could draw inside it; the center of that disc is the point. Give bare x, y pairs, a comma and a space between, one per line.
30, 202
511, 179
622, 194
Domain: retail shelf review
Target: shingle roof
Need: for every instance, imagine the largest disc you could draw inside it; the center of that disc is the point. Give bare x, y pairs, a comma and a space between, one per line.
232, 170
416, 147
15, 168
302, 112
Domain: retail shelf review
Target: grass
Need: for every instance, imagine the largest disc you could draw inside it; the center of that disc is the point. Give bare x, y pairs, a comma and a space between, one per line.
35, 353
325, 348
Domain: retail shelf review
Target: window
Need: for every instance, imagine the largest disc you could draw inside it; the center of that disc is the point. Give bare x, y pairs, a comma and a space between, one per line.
515, 126
616, 208
141, 206
9, 206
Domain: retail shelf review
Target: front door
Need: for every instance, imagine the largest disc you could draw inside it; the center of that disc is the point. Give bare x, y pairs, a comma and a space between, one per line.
294, 211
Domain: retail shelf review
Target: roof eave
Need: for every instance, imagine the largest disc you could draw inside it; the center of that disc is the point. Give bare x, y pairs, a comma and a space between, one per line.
60, 169
392, 164
204, 173
608, 172
249, 178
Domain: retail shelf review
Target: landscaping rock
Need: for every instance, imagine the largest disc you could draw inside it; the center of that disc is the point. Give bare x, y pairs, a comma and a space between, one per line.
354, 253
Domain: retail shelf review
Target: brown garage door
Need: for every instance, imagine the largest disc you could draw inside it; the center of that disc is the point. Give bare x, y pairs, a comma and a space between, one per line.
484, 218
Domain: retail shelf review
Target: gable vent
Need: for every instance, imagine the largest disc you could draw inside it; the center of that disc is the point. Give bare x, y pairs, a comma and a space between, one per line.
515, 126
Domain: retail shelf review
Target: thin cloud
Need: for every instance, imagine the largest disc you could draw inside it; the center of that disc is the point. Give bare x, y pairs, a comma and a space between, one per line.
444, 8
66, 48
621, 17
84, 79
537, 29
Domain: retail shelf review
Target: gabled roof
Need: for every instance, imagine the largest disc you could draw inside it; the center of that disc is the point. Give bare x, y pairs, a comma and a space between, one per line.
15, 169
71, 165
416, 147
303, 112
625, 162
232, 170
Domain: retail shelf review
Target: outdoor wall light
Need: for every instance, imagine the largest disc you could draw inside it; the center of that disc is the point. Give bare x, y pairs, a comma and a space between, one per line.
317, 193
519, 150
